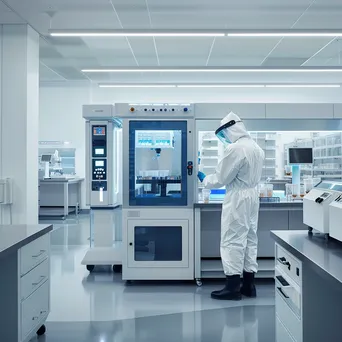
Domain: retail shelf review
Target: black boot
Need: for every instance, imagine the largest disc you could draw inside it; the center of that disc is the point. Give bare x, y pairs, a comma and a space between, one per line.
248, 288
231, 291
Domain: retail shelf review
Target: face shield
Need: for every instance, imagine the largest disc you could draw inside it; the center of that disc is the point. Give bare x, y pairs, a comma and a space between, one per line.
222, 132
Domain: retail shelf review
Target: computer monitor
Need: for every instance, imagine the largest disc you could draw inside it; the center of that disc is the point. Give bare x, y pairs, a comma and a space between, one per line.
46, 158
299, 155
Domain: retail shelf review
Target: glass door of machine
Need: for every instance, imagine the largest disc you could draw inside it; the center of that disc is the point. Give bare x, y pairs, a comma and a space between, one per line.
156, 243
158, 163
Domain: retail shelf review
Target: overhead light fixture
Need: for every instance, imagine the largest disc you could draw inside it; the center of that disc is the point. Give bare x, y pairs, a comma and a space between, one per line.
303, 86
217, 69
113, 85
289, 33
195, 33
137, 85
220, 86
135, 33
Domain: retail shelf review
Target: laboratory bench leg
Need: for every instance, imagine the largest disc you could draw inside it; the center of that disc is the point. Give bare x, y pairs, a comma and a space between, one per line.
66, 199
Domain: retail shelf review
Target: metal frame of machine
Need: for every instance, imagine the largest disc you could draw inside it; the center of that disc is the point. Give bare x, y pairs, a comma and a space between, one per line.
102, 159
167, 216
317, 203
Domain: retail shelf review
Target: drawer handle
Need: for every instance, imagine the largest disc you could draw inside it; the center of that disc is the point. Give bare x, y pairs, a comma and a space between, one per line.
42, 251
40, 281
284, 262
283, 294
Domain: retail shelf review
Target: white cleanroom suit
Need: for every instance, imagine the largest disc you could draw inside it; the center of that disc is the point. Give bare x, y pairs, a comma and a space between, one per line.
240, 172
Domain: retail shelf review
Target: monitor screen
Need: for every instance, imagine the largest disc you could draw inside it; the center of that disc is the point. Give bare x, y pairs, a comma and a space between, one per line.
46, 158
300, 156
99, 163
99, 130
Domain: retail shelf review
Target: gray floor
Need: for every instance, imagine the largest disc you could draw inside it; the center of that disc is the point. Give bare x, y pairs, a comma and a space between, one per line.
101, 308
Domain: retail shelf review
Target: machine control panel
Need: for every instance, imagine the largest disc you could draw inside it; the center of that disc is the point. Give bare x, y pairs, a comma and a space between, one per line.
339, 199
322, 197
98, 186
99, 141
99, 169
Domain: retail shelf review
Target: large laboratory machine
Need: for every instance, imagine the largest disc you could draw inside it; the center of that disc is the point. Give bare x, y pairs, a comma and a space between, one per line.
103, 183
316, 206
158, 181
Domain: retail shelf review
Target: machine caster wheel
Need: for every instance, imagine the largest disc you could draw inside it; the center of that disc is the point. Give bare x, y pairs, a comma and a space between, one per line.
310, 229
41, 331
117, 268
199, 282
326, 237
90, 268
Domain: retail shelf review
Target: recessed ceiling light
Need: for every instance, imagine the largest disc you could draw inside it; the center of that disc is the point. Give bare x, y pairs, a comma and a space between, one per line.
220, 86
132, 33
195, 33
208, 69
108, 85
284, 34
303, 86
137, 85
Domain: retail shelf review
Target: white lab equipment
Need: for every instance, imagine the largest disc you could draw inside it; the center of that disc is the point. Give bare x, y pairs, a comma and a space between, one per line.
103, 179
335, 218
316, 205
158, 181
46, 159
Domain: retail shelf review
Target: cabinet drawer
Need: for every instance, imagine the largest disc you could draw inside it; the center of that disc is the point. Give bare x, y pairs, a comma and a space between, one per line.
34, 309
34, 279
282, 335
34, 253
289, 264
288, 317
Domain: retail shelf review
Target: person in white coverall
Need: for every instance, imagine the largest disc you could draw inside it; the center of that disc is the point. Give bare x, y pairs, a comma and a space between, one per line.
240, 172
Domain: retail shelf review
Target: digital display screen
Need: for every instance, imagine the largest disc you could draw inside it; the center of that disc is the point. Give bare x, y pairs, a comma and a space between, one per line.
46, 158
99, 151
99, 130
99, 163
300, 156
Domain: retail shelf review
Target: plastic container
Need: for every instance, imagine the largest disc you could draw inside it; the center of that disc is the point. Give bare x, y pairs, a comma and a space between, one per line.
302, 191
262, 190
295, 191
308, 185
206, 195
288, 191
288, 170
269, 189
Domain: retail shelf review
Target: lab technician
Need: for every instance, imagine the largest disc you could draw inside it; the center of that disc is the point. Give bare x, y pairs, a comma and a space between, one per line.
240, 172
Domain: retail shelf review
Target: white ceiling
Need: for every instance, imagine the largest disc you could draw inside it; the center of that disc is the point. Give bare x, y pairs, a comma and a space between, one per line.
63, 58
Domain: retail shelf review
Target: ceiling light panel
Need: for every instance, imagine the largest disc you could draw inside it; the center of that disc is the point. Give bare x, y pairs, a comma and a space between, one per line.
215, 70
137, 85
137, 33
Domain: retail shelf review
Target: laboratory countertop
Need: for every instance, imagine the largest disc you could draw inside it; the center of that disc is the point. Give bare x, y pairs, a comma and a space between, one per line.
325, 257
13, 237
61, 180
296, 205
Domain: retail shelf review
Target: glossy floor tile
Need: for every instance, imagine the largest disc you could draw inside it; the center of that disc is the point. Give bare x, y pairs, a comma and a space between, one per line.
101, 307
240, 324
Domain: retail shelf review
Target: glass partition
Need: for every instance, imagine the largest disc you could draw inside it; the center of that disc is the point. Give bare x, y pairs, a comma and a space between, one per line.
327, 154
158, 155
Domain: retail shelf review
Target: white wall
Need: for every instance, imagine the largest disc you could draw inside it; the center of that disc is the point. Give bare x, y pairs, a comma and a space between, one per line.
60, 119
61, 105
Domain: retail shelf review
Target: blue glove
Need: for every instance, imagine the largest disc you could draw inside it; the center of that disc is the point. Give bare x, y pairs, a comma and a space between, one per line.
201, 176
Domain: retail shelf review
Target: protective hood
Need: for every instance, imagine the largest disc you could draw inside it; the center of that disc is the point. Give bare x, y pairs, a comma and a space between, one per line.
236, 131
